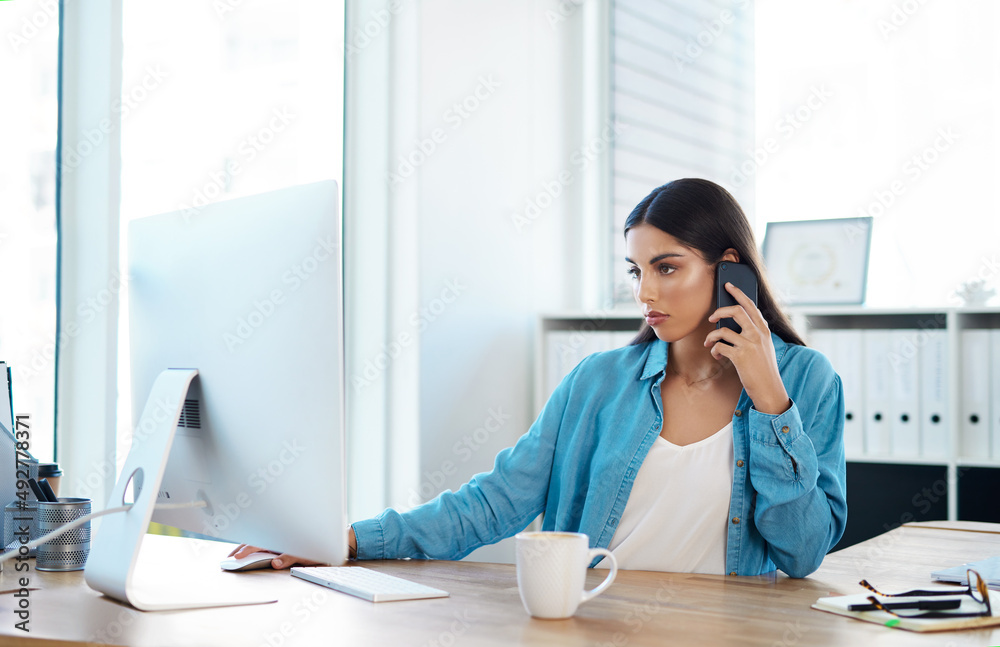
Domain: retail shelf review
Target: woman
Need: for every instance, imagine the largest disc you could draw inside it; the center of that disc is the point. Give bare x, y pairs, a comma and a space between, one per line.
693, 449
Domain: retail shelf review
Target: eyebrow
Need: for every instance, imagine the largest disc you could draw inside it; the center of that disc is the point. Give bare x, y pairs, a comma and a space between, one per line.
656, 258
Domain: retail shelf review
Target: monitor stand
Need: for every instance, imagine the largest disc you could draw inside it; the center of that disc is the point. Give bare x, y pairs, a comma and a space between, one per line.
111, 564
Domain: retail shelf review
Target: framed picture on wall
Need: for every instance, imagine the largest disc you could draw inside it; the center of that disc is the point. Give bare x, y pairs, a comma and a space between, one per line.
819, 262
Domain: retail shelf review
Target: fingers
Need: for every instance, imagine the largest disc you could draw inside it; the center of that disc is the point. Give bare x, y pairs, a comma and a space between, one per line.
285, 560
720, 350
734, 312
738, 294
722, 334
748, 305
243, 550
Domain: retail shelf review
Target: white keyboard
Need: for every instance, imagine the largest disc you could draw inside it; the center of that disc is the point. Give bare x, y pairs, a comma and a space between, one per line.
367, 584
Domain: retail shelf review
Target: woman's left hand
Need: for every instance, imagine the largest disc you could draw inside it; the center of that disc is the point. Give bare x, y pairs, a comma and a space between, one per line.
752, 353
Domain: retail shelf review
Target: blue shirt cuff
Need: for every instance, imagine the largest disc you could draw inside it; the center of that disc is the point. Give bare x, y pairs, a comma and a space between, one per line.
370, 539
780, 430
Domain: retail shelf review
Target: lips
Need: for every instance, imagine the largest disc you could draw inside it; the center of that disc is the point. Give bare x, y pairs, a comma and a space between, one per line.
653, 317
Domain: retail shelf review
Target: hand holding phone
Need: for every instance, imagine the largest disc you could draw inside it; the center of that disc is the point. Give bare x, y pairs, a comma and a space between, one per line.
742, 277
755, 361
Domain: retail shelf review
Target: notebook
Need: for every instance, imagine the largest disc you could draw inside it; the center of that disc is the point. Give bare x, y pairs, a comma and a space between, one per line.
840, 603
989, 569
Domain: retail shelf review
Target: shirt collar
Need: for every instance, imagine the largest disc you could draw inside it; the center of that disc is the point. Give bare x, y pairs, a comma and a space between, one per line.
656, 356
656, 359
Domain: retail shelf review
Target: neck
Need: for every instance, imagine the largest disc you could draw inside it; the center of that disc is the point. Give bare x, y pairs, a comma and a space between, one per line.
691, 359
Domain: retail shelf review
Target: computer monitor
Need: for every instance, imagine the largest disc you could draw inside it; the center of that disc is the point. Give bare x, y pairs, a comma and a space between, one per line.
249, 294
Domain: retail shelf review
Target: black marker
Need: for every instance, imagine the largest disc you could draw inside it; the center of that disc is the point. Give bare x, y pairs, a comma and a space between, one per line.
47, 489
39, 494
924, 605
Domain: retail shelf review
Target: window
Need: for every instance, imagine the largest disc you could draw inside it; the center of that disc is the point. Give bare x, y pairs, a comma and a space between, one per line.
221, 100
28, 338
682, 99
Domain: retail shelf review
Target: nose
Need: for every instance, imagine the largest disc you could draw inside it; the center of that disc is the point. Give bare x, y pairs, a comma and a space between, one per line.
645, 291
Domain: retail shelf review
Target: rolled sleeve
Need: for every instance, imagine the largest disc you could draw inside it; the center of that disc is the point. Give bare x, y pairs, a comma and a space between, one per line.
797, 470
782, 449
370, 538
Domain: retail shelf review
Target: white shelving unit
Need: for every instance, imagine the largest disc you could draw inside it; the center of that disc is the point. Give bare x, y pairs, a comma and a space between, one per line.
585, 324
953, 321
583, 333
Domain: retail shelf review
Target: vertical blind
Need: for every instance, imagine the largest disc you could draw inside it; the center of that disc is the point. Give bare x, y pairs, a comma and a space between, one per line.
682, 94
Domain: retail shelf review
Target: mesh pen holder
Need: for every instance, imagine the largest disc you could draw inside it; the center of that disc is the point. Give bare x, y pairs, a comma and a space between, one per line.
68, 551
16, 517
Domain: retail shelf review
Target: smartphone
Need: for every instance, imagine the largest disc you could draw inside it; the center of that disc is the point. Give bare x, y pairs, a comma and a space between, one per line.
742, 277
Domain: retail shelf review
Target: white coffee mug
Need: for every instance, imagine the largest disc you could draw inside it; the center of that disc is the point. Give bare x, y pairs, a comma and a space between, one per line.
552, 570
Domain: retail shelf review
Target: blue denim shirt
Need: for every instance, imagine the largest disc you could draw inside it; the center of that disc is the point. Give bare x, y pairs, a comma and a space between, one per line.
578, 461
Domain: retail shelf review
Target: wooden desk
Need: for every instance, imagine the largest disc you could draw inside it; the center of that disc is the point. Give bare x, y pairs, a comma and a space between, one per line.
641, 608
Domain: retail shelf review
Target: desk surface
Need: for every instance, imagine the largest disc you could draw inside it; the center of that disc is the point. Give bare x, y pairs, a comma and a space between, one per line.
640, 608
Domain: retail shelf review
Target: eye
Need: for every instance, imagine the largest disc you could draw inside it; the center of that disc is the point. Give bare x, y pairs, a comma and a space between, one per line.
666, 269
632, 272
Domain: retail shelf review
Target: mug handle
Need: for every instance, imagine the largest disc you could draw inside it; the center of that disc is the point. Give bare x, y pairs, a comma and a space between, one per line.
593, 593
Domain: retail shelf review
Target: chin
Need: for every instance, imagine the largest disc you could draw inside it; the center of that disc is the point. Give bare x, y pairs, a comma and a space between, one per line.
671, 332
667, 333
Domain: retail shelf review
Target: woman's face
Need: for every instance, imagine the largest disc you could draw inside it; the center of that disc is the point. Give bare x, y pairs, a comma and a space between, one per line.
671, 282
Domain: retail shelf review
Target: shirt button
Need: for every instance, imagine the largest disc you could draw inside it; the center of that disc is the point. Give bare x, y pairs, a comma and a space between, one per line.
739, 463
784, 429
736, 519
739, 413
732, 573
613, 521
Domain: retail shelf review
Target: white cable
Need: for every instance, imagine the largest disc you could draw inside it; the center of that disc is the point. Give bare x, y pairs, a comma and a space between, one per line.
76, 523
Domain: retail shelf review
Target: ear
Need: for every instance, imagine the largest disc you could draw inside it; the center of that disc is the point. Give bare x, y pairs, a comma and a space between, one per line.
730, 255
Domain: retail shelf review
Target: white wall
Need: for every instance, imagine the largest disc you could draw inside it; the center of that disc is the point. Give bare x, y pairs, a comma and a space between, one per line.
906, 133
476, 356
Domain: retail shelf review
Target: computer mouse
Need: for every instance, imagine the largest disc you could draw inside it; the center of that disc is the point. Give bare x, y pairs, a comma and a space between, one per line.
248, 563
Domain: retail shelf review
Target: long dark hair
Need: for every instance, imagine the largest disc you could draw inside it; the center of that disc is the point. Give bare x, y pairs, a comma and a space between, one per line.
705, 217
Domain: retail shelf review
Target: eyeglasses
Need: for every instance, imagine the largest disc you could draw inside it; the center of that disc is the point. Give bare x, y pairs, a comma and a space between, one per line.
977, 590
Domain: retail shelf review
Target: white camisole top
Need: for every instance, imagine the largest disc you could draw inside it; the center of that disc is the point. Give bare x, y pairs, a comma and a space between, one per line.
676, 518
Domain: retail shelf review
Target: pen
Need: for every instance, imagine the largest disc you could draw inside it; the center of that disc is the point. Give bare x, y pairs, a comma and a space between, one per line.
47, 489
922, 605
39, 494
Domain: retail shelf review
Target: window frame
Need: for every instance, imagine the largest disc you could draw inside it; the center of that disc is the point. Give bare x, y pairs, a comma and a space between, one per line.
90, 82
